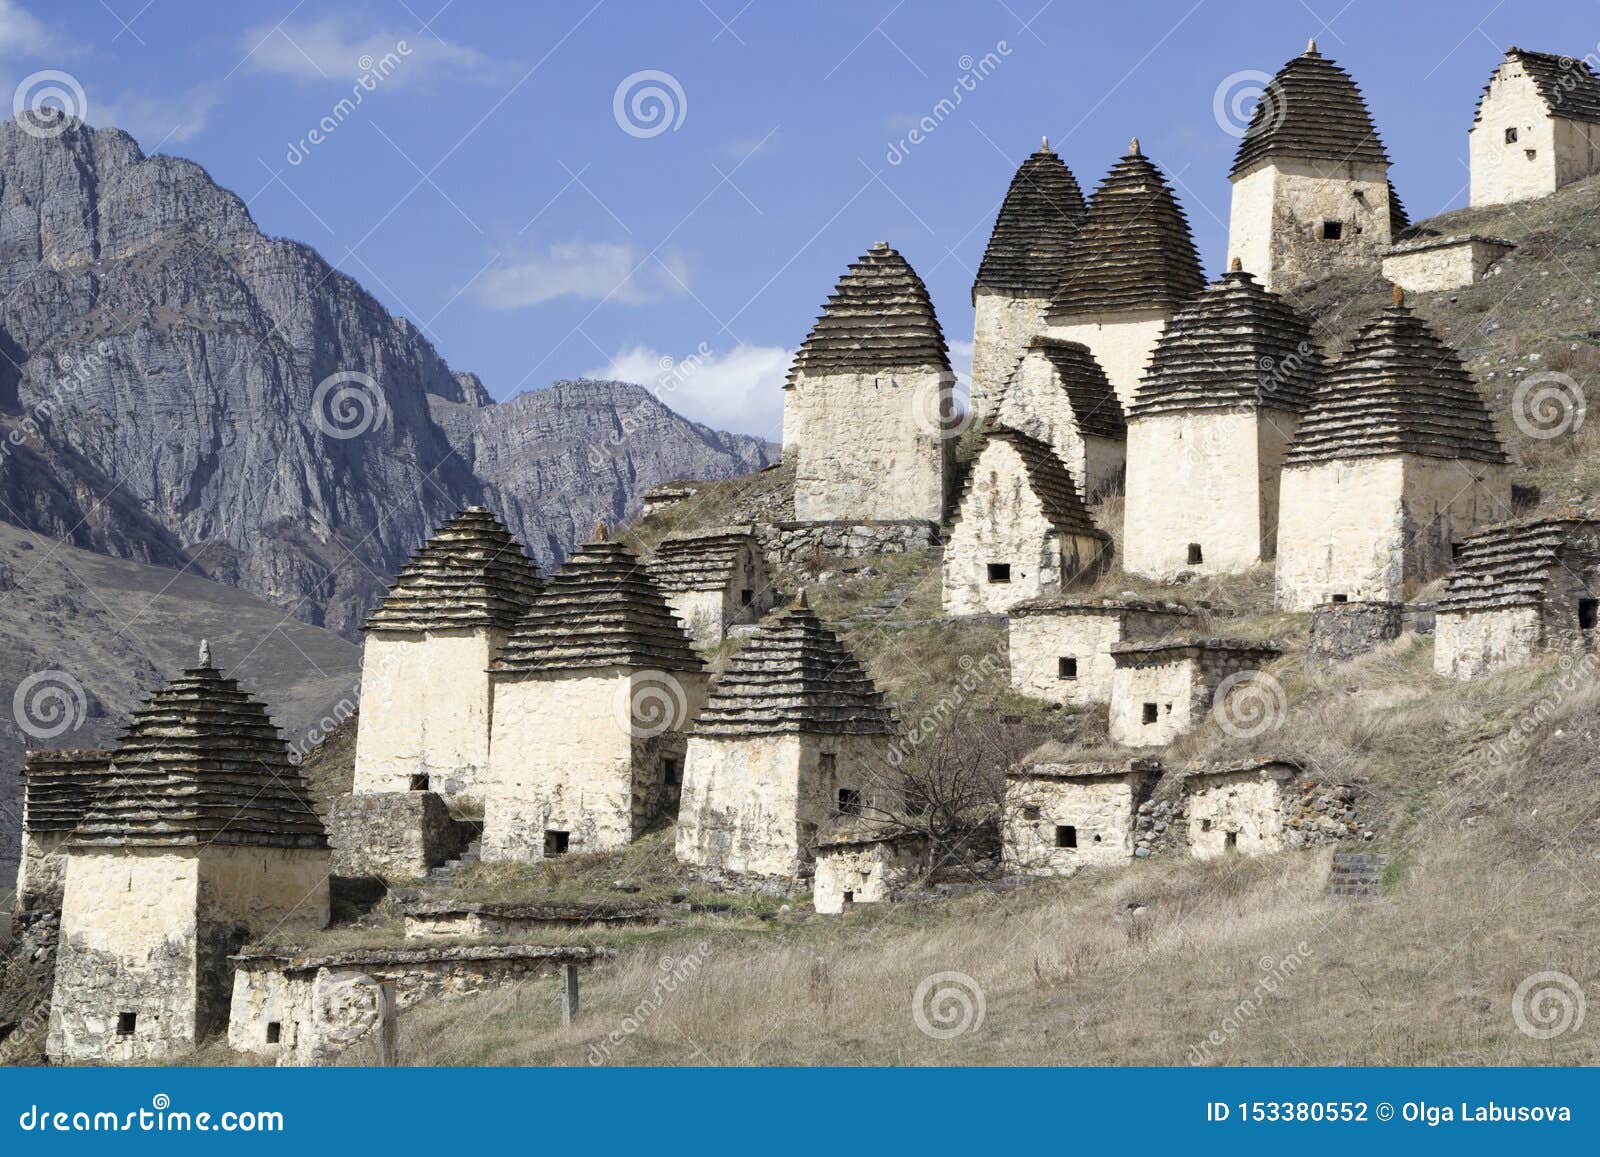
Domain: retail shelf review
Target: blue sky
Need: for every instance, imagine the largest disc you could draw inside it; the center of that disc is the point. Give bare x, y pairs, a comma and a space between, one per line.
496, 183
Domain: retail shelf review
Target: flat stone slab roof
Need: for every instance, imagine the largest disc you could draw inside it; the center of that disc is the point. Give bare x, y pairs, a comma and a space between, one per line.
300, 960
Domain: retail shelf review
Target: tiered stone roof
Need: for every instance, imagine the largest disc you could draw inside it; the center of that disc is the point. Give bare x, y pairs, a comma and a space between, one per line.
700, 561
471, 573
879, 317
602, 609
1094, 402
201, 763
1134, 249
1237, 344
794, 675
1399, 219
1042, 210
1311, 110
59, 786
1049, 479
1511, 564
1398, 389
1568, 86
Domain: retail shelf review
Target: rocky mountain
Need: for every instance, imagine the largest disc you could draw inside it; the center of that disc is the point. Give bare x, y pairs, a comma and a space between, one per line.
177, 388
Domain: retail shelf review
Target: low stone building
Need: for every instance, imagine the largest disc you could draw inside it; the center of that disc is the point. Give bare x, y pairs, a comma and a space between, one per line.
481, 920
1020, 529
1519, 589
1342, 630
666, 495
866, 862
57, 789
203, 836
1162, 689
1208, 429
1061, 647
1059, 817
425, 694
1059, 395
594, 692
1431, 264
714, 579
393, 835
793, 735
1396, 458
1027, 248
1257, 806
1311, 191
868, 416
1128, 269
1536, 127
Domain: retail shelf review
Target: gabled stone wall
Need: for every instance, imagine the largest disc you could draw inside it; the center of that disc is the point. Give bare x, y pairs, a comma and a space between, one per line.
1121, 342
1035, 403
1503, 171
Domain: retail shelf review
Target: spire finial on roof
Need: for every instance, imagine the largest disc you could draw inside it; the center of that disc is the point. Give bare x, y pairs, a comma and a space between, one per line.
1044, 144
600, 532
1133, 147
800, 603
1399, 295
1236, 266
205, 653
1311, 46
880, 246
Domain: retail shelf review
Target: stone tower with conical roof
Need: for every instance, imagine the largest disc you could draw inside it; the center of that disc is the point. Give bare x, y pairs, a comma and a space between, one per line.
1059, 394
200, 836
867, 408
793, 735
1396, 458
1208, 429
1027, 248
1311, 191
1536, 127
594, 692
425, 694
1129, 268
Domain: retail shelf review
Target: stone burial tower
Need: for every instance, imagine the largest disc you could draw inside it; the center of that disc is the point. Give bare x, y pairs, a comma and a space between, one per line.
1059, 395
1536, 127
1311, 190
867, 408
1396, 458
425, 695
793, 736
57, 789
1027, 248
1127, 270
594, 692
201, 836
1208, 430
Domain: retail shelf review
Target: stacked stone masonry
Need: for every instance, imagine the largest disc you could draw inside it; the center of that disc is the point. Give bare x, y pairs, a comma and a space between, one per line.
1060, 648
57, 789
1161, 690
1536, 128
713, 580
1433, 264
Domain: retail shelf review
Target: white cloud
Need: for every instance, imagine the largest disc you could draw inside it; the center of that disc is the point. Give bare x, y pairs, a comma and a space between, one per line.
588, 270
23, 33
326, 50
740, 389
154, 120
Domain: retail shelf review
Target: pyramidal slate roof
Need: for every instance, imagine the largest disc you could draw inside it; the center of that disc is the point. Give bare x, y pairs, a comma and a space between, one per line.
1049, 479
1398, 389
1511, 564
1041, 211
1094, 402
1134, 249
1566, 84
58, 786
471, 573
1237, 344
601, 609
702, 561
201, 763
794, 675
1313, 110
879, 317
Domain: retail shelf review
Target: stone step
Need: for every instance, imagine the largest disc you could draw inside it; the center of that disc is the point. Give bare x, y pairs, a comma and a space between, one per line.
1356, 874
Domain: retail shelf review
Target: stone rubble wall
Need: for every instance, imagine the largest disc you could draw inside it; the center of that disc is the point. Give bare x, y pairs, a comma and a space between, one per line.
1441, 267
1341, 631
391, 835
41, 871
1039, 640
1100, 808
1278, 210
1003, 324
1270, 815
804, 545
27, 977
872, 873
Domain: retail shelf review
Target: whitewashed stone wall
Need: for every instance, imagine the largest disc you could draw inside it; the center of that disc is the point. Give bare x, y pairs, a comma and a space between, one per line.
1002, 326
1466, 646
41, 871
1210, 478
1449, 263
871, 446
1039, 640
1121, 342
707, 615
584, 755
425, 710
1174, 687
1373, 529
1002, 521
870, 873
1100, 809
1035, 404
1243, 805
1549, 151
1275, 224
